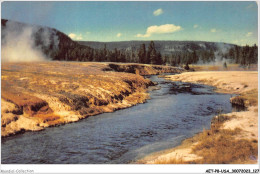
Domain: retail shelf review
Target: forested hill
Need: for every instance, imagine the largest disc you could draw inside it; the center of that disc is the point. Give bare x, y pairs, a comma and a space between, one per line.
53, 44
165, 47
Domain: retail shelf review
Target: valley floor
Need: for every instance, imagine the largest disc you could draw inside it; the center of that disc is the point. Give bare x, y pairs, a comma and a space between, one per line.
233, 137
42, 94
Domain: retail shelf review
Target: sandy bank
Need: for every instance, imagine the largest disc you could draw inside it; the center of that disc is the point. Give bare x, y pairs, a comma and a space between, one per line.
230, 82
233, 137
42, 94
219, 67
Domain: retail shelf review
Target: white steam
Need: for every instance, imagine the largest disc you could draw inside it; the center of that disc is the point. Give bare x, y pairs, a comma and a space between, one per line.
218, 59
222, 49
18, 43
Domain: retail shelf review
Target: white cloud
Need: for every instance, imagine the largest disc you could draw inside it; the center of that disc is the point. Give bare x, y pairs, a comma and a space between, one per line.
161, 29
142, 35
119, 35
72, 35
76, 36
195, 26
249, 34
158, 12
213, 30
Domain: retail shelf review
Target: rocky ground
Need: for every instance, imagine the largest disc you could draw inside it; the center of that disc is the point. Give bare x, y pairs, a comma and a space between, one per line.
233, 137
42, 94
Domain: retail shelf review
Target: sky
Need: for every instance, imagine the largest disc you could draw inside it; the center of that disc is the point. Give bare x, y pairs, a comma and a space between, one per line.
230, 22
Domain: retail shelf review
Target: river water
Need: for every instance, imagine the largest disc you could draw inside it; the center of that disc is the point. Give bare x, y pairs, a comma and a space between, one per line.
176, 111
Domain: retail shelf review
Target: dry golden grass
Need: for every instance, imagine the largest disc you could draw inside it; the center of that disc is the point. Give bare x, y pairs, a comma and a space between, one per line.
50, 93
251, 97
42, 94
219, 146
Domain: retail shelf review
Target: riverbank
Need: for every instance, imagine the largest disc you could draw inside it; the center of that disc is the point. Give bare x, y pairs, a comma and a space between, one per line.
233, 137
220, 67
42, 94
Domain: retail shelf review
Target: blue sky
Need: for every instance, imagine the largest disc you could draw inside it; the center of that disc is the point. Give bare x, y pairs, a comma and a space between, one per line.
231, 22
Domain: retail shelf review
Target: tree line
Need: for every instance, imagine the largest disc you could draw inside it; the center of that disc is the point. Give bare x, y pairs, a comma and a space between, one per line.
243, 55
69, 50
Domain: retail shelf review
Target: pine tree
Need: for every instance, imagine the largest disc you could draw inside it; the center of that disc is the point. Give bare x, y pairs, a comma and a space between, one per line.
195, 58
159, 60
151, 54
153, 57
142, 54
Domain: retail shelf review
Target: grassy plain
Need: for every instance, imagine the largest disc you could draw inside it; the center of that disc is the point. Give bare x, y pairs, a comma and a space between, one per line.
41, 94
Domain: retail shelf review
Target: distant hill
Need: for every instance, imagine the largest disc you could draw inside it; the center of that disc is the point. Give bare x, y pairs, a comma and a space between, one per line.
165, 47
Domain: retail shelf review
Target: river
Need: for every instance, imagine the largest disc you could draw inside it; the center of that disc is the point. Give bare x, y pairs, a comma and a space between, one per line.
175, 111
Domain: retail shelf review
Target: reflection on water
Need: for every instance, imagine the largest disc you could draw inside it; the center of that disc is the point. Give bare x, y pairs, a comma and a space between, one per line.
176, 111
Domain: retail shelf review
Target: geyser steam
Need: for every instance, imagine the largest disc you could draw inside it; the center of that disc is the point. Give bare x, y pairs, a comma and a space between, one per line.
19, 42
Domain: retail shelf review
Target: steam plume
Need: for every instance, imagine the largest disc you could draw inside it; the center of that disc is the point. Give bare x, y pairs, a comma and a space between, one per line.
19, 42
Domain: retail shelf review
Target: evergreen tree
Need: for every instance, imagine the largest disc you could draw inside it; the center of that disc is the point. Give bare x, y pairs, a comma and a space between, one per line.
115, 55
142, 54
195, 58
151, 53
231, 53
153, 57
159, 60
105, 53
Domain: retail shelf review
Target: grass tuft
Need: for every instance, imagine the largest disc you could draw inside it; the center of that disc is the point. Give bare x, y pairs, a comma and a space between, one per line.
218, 146
222, 148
